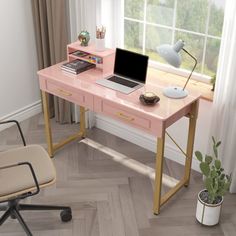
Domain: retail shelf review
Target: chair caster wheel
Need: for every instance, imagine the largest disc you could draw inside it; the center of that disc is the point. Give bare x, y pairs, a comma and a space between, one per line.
66, 215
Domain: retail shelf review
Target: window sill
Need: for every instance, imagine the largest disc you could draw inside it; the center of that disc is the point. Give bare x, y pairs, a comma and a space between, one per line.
166, 77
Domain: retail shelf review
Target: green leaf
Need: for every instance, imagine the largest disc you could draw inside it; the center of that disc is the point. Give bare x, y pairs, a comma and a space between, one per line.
218, 144
205, 168
198, 155
213, 173
208, 159
217, 164
208, 185
216, 186
215, 151
221, 192
222, 176
213, 139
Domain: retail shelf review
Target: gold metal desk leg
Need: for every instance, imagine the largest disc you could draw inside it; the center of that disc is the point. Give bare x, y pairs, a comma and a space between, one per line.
52, 148
47, 123
158, 174
82, 122
190, 142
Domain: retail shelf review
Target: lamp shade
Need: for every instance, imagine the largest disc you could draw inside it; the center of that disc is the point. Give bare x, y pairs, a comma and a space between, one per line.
171, 53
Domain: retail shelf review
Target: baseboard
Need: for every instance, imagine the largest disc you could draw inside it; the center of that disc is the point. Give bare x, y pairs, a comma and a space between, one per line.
23, 113
144, 140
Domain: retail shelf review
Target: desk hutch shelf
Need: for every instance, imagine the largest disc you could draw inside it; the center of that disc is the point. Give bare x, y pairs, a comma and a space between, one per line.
103, 60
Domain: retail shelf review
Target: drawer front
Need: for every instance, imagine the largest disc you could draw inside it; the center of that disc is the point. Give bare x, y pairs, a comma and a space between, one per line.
125, 116
77, 97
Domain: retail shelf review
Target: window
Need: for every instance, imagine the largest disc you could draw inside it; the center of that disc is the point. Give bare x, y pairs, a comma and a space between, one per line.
149, 23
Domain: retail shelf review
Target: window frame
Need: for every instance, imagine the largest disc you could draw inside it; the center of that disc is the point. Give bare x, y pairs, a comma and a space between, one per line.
165, 67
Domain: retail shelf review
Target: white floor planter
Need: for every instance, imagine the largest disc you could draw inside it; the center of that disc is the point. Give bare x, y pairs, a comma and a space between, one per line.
208, 214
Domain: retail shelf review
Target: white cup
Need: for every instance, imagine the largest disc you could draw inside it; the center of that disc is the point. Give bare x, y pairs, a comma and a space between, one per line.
99, 45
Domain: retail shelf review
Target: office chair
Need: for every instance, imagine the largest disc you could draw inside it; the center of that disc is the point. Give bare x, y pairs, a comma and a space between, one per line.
23, 172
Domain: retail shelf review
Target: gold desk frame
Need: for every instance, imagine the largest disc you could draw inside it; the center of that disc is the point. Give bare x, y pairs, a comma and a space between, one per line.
159, 199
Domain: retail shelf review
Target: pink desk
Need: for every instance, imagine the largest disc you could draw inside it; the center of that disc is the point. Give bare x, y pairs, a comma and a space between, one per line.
82, 90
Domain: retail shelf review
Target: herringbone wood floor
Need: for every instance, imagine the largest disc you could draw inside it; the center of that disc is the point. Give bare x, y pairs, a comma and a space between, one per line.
108, 199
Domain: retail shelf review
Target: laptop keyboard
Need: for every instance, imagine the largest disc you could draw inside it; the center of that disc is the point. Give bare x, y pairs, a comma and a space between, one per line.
124, 82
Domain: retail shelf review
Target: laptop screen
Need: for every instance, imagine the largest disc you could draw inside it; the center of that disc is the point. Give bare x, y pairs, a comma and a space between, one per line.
131, 65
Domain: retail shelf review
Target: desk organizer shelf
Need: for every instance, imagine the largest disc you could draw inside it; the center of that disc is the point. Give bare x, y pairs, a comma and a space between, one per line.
103, 60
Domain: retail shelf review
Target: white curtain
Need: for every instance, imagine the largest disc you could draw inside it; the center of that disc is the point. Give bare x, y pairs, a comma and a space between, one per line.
86, 15
112, 13
224, 104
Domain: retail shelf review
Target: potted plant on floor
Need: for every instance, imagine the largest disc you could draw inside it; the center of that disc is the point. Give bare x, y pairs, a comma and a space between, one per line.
216, 183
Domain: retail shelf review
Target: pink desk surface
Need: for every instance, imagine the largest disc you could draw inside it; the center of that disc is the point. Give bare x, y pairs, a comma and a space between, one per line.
166, 112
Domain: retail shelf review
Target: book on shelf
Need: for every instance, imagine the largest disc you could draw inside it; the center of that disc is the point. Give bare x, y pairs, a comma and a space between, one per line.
90, 57
77, 66
79, 53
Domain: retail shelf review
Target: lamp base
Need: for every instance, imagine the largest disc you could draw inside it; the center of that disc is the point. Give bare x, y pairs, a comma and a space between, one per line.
175, 92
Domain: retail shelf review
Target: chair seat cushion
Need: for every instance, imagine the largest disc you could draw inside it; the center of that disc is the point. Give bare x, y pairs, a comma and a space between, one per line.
19, 179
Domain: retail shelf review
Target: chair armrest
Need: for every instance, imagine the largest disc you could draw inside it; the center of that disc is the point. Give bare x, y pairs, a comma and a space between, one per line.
32, 172
18, 126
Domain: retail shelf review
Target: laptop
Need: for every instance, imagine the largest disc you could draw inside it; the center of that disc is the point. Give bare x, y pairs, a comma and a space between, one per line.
130, 71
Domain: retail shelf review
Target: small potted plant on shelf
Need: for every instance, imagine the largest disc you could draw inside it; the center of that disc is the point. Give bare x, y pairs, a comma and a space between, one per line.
216, 183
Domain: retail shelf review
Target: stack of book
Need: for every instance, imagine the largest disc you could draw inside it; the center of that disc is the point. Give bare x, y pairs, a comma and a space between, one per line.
77, 66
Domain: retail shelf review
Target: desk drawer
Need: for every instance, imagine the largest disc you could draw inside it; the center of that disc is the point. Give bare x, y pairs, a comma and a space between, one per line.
124, 115
75, 96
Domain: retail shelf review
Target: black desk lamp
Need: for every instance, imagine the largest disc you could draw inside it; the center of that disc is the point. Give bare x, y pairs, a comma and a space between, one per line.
171, 55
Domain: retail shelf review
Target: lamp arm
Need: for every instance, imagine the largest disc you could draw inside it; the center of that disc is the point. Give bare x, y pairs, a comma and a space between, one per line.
195, 59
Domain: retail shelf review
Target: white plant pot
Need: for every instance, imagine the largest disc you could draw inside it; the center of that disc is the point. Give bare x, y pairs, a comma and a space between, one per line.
208, 214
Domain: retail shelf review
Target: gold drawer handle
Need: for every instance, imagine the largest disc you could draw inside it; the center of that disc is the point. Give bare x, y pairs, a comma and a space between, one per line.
125, 117
64, 92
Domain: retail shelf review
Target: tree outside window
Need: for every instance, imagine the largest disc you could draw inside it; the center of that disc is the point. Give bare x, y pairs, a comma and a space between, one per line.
149, 23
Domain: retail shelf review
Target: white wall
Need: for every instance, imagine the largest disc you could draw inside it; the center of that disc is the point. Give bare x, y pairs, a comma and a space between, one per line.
178, 131
19, 89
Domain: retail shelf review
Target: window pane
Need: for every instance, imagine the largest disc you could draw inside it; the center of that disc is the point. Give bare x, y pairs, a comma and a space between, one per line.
203, 17
194, 45
134, 9
133, 36
155, 36
216, 17
160, 12
212, 53
192, 15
